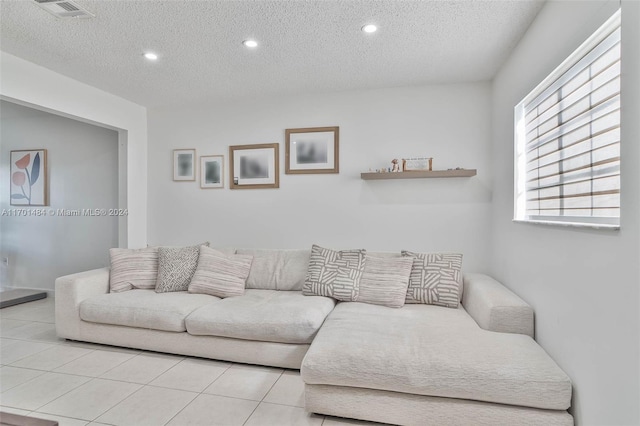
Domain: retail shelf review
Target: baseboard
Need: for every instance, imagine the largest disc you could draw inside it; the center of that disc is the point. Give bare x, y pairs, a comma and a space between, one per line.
50, 293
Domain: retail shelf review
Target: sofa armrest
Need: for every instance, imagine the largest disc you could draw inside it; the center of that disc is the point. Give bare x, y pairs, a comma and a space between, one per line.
70, 291
494, 307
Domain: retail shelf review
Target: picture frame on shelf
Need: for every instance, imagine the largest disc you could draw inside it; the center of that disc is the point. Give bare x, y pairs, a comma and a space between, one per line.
28, 185
254, 166
417, 164
184, 165
312, 150
211, 171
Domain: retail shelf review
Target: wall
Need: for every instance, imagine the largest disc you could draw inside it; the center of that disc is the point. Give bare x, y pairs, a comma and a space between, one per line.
583, 284
28, 84
82, 171
449, 122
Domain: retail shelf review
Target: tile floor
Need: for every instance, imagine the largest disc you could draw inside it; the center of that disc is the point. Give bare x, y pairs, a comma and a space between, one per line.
86, 384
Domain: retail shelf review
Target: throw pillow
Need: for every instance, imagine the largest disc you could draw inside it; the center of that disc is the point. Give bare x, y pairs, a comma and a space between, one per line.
334, 273
133, 268
220, 275
176, 266
385, 281
435, 278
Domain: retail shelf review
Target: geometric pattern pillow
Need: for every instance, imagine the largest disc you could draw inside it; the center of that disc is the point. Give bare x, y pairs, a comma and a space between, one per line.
220, 275
133, 268
176, 266
385, 281
435, 278
334, 273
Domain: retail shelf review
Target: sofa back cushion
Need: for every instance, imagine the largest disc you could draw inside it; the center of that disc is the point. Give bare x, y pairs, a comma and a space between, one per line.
274, 269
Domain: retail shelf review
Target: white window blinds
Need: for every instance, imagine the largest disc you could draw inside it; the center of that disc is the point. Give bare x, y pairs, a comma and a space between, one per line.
568, 138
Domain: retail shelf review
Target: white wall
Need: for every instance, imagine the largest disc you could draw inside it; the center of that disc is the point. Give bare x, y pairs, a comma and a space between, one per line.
449, 122
32, 85
583, 284
82, 172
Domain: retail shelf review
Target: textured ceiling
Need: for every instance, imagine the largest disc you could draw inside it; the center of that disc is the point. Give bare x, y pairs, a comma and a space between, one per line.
305, 46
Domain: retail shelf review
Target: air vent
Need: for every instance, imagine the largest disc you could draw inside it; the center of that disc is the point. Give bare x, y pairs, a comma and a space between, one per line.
64, 9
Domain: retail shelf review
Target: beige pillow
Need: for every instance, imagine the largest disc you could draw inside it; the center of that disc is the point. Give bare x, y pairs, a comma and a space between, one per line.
385, 281
334, 273
435, 279
220, 275
133, 268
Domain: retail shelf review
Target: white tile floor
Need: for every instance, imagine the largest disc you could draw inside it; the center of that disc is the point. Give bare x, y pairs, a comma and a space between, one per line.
86, 384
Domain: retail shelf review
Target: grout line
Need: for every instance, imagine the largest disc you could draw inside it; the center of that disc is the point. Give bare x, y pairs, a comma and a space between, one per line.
182, 409
60, 396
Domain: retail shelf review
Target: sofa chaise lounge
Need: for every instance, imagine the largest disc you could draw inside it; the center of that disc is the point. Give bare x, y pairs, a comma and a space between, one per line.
416, 365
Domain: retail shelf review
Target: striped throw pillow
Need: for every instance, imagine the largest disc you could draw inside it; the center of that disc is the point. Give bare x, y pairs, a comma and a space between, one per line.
385, 281
435, 279
133, 268
220, 275
334, 273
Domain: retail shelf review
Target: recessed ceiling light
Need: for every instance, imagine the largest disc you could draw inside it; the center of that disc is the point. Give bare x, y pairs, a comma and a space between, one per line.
369, 28
151, 56
250, 43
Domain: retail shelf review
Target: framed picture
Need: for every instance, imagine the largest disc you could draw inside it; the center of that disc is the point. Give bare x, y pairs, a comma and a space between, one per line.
417, 164
184, 167
211, 171
254, 166
29, 186
312, 150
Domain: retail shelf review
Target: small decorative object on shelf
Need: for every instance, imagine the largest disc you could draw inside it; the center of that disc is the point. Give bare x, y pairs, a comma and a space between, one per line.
396, 165
417, 164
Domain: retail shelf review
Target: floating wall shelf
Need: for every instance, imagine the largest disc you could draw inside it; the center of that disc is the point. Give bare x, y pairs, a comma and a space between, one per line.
420, 174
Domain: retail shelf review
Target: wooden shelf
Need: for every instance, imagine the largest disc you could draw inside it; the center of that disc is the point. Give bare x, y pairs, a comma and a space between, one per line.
420, 174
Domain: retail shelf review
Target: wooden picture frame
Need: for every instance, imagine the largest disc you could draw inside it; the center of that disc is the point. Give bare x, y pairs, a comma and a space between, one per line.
28, 178
184, 165
211, 171
312, 150
254, 166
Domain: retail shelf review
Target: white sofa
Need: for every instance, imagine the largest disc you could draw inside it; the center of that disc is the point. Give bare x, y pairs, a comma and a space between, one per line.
415, 365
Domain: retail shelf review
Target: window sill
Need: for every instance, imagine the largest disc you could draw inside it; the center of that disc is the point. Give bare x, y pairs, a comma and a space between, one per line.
604, 226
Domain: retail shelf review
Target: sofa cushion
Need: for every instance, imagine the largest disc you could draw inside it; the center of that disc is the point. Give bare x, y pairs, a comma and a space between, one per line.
143, 309
133, 268
435, 278
434, 351
334, 273
265, 315
220, 275
385, 280
277, 269
176, 266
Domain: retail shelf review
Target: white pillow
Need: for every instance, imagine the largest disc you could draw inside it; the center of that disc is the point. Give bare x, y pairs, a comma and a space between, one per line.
385, 281
220, 275
133, 268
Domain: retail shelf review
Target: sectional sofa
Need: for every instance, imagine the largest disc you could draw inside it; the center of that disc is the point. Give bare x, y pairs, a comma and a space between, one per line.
416, 365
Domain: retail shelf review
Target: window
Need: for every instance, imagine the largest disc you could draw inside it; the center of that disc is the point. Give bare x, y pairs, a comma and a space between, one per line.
567, 156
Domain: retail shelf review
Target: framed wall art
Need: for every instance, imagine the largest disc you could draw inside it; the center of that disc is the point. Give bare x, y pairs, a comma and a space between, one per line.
211, 171
312, 150
184, 164
254, 166
28, 185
